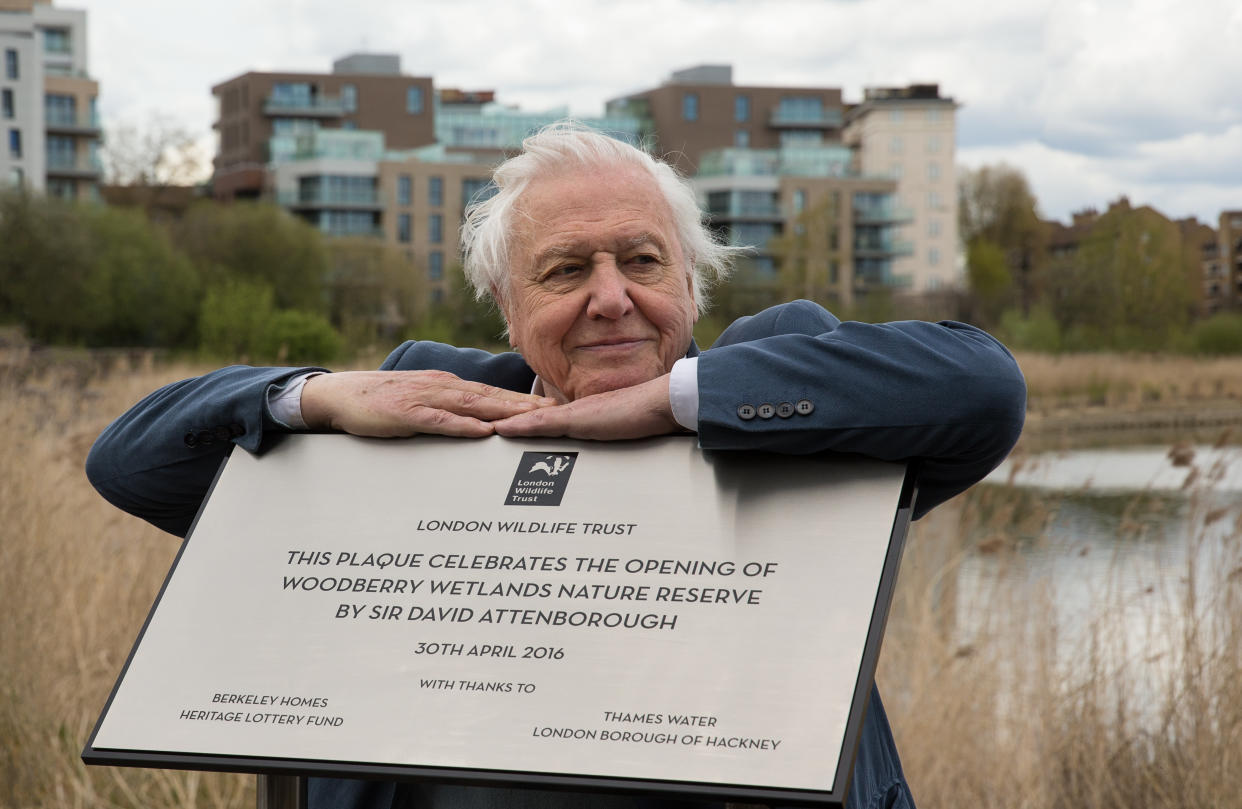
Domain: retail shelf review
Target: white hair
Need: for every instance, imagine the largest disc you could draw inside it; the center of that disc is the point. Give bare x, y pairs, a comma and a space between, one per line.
488, 225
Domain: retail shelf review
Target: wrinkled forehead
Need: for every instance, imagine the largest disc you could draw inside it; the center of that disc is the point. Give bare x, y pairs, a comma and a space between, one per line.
612, 204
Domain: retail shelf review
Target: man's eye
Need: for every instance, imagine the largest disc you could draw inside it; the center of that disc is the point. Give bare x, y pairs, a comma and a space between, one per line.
644, 259
565, 271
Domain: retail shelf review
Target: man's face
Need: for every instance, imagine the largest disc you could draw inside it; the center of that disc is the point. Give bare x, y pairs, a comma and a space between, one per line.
599, 293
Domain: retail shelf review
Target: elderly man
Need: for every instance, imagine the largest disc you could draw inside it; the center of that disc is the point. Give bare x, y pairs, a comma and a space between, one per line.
596, 256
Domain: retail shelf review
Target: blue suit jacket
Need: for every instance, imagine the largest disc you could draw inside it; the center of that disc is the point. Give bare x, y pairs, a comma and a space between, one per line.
945, 395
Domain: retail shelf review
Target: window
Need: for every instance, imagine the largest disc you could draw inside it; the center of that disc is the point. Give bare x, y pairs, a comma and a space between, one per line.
933, 171
435, 228
292, 94
10, 64
933, 256
476, 190
741, 139
933, 200
933, 116
894, 171
933, 144
15, 143
741, 109
802, 137
799, 201
435, 265
404, 228
56, 40
61, 188
895, 145
690, 107
61, 152
404, 190
435, 191
17, 177
801, 109
437, 295
60, 109
348, 126
6, 103
349, 97
933, 227
414, 100
895, 116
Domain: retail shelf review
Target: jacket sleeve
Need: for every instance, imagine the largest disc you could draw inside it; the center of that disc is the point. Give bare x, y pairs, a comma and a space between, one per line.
944, 395
158, 460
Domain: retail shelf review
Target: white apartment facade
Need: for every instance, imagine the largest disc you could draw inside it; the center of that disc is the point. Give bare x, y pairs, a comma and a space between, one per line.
909, 134
49, 129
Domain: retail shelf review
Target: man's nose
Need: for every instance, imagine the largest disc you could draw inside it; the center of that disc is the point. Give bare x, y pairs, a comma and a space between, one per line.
608, 290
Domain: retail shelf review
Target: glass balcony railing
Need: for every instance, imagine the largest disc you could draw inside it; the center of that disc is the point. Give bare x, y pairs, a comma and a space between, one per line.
744, 210
328, 199
66, 119
58, 163
883, 247
882, 213
813, 119
329, 106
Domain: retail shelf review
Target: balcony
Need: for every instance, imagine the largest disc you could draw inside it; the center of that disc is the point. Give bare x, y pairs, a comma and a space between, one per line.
886, 214
66, 123
71, 166
354, 201
312, 107
752, 211
882, 248
805, 119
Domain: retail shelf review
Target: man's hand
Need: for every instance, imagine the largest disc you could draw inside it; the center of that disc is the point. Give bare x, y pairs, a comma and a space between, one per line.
389, 404
636, 412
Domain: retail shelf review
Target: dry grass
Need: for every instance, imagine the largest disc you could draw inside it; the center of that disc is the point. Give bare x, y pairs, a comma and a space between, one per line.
993, 715
77, 578
992, 719
1129, 381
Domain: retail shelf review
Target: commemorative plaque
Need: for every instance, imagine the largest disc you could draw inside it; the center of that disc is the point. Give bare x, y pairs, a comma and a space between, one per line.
631, 616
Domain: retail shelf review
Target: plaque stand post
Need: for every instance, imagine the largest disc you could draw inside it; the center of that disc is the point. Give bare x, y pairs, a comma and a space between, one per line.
280, 792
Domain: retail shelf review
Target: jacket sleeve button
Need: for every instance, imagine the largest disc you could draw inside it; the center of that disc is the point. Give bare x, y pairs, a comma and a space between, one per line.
746, 412
805, 407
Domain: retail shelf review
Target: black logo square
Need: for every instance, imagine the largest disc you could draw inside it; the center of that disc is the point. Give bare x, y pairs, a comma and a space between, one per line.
541, 478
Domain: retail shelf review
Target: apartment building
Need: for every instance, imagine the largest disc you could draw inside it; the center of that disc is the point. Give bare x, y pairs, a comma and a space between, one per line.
808, 216
48, 118
909, 134
1229, 246
897, 141
364, 92
700, 109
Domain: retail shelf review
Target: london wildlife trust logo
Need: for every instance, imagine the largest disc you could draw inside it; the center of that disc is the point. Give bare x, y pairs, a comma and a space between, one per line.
541, 478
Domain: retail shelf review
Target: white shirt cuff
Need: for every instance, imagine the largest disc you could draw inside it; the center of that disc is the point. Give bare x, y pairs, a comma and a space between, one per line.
683, 392
285, 404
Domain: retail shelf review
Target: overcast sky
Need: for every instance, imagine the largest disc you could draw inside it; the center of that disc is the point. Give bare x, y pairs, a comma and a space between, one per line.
1092, 99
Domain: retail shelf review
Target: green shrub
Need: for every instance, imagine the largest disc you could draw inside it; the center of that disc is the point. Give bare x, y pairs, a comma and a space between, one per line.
1219, 334
300, 338
234, 317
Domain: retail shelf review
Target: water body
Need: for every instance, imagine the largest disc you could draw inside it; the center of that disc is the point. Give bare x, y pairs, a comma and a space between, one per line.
1135, 540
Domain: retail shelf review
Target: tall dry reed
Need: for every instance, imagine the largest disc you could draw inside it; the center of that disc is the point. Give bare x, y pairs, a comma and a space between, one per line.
77, 578
1000, 711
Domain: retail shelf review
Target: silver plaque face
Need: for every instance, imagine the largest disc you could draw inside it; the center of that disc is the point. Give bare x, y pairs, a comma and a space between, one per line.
635, 616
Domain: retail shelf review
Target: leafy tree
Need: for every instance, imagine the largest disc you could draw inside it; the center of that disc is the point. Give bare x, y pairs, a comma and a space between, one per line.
257, 242
373, 292
996, 206
93, 276
234, 315
1125, 287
